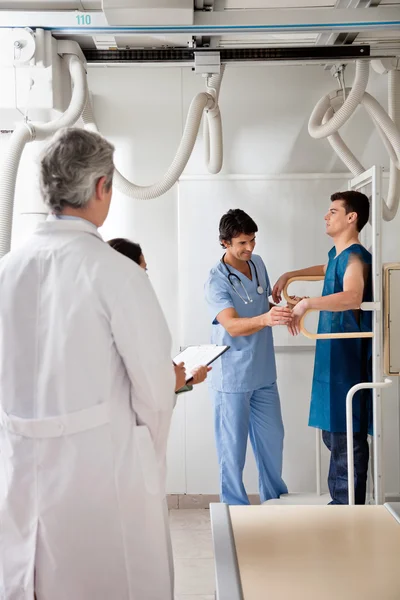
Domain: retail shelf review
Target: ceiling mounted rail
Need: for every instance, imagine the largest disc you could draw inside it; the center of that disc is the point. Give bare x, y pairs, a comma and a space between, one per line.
309, 53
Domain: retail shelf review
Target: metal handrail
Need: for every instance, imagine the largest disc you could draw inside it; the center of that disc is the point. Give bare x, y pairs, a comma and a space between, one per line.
349, 429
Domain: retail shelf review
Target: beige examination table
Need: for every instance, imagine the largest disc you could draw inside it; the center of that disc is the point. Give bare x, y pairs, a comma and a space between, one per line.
306, 552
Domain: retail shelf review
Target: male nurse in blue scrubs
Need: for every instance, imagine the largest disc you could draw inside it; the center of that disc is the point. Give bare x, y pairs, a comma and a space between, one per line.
243, 381
341, 363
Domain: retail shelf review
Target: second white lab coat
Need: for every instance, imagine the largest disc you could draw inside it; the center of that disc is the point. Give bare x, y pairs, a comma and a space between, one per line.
86, 397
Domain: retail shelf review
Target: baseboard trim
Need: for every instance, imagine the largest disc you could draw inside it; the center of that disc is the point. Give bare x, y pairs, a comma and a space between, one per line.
185, 501
392, 498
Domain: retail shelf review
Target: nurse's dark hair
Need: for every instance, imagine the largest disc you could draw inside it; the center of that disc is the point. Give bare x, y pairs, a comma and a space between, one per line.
234, 223
127, 248
354, 202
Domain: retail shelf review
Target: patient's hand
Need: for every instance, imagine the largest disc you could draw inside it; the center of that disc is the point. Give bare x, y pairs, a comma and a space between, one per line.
298, 312
279, 287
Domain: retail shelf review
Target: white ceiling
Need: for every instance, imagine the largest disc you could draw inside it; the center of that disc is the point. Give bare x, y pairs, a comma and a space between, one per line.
219, 5
269, 4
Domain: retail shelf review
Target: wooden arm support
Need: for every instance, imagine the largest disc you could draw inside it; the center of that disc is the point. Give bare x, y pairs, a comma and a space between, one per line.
320, 336
292, 279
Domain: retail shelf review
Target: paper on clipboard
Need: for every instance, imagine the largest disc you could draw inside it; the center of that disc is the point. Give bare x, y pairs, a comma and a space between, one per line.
197, 356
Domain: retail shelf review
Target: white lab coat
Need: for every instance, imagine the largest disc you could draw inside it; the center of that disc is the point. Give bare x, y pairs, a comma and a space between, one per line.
86, 398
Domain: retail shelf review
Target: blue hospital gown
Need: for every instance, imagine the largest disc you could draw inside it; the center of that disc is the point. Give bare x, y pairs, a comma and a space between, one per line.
340, 364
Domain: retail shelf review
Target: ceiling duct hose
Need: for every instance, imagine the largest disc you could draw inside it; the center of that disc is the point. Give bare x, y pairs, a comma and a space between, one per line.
212, 127
315, 127
27, 132
387, 125
193, 120
386, 128
390, 207
19, 138
342, 150
212, 139
199, 103
78, 100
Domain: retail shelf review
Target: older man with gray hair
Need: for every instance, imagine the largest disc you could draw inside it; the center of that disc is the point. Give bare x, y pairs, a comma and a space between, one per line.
86, 397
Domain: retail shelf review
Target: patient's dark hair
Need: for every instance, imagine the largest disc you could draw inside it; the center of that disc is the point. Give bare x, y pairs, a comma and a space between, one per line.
234, 223
354, 202
127, 248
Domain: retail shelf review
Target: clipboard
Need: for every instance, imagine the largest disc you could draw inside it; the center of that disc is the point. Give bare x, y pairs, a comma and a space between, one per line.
197, 356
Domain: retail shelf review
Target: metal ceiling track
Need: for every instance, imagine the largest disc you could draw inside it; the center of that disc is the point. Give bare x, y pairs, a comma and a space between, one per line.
187, 55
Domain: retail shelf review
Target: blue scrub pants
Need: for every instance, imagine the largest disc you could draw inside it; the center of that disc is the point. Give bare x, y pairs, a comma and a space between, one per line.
257, 413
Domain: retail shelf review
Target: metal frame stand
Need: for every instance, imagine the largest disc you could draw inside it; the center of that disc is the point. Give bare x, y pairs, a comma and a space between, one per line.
371, 177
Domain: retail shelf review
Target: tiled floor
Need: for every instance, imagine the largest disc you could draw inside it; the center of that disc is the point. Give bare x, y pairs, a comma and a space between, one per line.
193, 554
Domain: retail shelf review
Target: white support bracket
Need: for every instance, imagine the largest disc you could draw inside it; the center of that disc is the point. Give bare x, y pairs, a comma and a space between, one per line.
207, 63
70, 47
370, 306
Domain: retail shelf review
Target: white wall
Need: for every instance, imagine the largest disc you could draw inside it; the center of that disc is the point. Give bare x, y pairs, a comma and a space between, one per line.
265, 111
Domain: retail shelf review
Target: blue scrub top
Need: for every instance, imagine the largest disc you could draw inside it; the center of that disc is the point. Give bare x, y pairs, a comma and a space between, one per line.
249, 364
340, 364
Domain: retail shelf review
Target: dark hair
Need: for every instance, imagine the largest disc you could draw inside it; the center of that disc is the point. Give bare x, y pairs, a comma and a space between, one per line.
234, 223
127, 248
354, 202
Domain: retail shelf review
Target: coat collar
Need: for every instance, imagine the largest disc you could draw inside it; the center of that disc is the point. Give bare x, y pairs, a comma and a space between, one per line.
53, 224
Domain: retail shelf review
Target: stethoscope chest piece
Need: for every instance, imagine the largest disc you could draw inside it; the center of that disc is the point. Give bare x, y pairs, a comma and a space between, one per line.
260, 290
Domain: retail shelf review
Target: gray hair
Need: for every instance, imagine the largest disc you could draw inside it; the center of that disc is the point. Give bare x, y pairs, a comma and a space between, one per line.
71, 166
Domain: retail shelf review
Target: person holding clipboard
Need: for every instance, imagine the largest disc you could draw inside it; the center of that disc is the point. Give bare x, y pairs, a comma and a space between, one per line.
187, 364
198, 373
243, 381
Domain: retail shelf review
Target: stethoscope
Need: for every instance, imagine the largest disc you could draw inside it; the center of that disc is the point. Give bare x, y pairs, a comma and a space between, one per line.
233, 276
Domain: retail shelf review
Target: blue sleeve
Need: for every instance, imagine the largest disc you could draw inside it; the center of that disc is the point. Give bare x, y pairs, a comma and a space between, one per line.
218, 296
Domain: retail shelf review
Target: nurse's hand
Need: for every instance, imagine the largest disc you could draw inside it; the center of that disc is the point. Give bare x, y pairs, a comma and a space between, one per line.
279, 287
278, 315
199, 375
298, 312
295, 300
180, 376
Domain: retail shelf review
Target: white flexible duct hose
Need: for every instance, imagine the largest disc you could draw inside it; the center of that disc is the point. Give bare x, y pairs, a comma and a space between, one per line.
76, 106
343, 152
27, 132
193, 120
19, 138
214, 82
315, 127
388, 127
391, 205
212, 127
385, 140
212, 139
